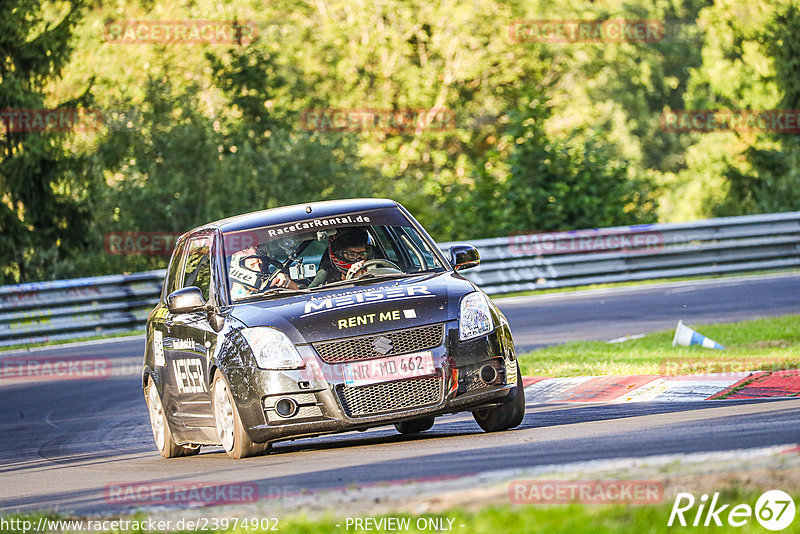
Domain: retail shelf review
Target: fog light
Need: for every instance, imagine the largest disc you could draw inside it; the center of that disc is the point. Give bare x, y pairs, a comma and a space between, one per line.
286, 407
488, 374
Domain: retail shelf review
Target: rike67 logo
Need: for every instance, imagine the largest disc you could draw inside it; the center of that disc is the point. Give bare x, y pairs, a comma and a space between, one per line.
774, 510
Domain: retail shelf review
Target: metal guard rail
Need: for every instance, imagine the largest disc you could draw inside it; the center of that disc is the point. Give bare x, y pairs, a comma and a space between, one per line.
63, 309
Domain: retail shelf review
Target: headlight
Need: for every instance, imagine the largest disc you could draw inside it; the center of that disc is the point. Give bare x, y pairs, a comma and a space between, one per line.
272, 349
474, 317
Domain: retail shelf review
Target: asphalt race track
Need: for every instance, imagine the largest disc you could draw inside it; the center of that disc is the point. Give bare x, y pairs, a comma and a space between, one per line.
63, 442
609, 313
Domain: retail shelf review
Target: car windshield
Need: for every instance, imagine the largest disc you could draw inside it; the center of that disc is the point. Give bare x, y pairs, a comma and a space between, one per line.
276, 261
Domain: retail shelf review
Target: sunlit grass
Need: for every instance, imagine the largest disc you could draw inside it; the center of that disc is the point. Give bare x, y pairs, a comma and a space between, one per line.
749, 345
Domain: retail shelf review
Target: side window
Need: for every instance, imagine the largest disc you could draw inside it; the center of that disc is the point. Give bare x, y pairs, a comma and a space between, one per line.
424, 257
198, 265
173, 276
386, 244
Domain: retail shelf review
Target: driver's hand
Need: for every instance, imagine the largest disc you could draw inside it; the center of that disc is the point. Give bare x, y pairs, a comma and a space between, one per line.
281, 280
355, 269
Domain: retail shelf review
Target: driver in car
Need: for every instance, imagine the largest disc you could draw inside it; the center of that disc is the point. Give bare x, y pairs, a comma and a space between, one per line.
347, 251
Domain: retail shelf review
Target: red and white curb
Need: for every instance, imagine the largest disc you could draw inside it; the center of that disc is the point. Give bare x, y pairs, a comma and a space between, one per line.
663, 388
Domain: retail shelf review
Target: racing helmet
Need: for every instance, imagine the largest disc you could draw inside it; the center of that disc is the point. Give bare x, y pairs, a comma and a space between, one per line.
245, 272
349, 238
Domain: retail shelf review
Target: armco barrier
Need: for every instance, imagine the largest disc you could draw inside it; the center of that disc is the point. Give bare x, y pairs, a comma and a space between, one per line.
629, 253
63, 309
47, 311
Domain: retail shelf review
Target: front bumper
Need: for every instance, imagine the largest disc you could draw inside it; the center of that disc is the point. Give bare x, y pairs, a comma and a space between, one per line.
279, 405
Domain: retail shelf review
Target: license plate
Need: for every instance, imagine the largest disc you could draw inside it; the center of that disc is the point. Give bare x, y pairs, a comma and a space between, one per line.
388, 369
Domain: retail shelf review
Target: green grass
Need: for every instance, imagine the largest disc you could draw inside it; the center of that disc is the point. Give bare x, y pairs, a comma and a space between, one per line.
566, 519
555, 519
766, 344
71, 340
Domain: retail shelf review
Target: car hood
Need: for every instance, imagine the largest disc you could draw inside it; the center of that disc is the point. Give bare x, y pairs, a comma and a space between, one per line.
359, 309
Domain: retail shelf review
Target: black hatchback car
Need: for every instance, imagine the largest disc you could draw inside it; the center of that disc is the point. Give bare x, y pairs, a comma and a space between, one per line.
320, 318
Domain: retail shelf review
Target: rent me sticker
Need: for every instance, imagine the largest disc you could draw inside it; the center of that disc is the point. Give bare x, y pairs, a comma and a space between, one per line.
372, 318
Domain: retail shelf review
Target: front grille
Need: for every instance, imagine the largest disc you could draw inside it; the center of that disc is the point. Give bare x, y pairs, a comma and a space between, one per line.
364, 348
390, 396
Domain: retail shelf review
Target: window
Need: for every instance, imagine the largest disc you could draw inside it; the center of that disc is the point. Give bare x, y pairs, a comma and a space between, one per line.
198, 265
314, 254
422, 256
175, 267
385, 244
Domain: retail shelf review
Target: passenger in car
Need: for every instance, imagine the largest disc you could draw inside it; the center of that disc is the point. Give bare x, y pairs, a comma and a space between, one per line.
249, 272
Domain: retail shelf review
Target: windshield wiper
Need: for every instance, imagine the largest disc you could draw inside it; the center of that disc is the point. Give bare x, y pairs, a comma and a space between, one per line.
368, 277
272, 291
373, 277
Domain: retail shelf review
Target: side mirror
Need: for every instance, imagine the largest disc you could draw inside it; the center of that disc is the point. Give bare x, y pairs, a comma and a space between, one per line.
464, 257
186, 300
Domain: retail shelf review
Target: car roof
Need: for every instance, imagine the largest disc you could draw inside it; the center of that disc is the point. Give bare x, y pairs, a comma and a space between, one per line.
296, 213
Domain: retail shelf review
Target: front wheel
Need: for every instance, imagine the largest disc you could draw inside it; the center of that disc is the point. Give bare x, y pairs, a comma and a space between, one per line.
507, 415
231, 432
161, 432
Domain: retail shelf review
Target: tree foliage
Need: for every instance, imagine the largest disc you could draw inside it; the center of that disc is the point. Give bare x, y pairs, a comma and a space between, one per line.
750, 62
43, 215
544, 136
769, 178
535, 182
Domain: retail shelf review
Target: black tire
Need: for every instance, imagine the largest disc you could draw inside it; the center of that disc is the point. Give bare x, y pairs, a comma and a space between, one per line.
158, 422
508, 415
412, 426
231, 432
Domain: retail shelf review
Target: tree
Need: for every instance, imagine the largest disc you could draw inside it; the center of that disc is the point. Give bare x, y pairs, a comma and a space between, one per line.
172, 165
43, 215
536, 183
769, 179
751, 63
188, 122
